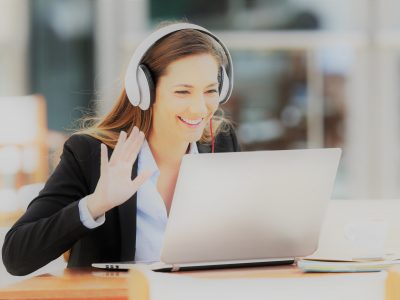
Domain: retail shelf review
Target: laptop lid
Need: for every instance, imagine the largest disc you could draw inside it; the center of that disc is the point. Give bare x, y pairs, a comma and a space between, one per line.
249, 205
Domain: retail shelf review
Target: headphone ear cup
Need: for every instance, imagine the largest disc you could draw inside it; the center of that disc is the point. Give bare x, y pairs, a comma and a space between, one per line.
146, 87
224, 86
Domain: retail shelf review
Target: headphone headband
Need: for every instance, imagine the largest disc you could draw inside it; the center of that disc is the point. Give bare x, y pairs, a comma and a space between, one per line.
133, 79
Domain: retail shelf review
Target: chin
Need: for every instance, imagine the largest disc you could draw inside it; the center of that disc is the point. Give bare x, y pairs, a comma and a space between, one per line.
193, 137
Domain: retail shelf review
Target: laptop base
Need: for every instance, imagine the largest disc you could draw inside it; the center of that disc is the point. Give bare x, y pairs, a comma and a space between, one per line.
224, 266
161, 267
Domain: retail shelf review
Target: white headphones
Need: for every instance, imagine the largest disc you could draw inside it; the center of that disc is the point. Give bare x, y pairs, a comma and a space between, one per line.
139, 84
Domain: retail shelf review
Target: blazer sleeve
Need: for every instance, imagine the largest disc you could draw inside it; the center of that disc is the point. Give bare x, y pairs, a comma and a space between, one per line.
51, 224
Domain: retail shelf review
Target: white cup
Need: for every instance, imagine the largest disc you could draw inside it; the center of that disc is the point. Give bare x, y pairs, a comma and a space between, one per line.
367, 239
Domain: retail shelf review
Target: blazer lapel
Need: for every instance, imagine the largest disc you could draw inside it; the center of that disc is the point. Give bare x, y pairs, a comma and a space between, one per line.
127, 219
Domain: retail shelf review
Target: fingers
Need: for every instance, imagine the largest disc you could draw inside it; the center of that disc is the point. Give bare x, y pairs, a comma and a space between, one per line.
132, 146
129, 143
135, 148
103, 159
127, 148
118, 147
140, 179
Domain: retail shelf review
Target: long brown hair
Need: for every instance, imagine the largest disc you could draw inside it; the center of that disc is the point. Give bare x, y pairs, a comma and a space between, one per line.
124, 116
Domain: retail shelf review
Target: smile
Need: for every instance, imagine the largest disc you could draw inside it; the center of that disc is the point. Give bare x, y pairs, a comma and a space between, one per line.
190, 122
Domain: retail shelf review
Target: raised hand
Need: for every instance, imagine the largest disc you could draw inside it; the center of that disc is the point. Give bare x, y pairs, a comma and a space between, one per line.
115, 185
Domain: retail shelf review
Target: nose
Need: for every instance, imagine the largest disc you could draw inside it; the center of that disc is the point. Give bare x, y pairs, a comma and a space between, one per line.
198, 105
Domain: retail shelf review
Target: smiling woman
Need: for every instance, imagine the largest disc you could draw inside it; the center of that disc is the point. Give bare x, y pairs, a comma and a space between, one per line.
99, 201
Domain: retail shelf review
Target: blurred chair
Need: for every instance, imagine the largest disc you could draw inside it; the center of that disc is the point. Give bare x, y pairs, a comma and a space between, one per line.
23, 150
23, 141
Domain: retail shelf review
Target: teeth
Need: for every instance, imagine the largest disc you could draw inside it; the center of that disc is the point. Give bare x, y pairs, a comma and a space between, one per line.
192, 122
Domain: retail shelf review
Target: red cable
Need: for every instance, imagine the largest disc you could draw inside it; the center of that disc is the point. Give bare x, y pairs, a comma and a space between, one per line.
212, 137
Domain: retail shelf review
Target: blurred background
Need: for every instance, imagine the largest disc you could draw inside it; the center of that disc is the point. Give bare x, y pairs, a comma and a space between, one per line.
308, 74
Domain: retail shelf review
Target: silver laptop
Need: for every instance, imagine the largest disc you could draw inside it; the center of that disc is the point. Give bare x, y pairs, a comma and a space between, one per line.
246, 208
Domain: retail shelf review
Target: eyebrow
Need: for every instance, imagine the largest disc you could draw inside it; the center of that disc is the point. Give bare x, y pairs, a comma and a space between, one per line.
191, 86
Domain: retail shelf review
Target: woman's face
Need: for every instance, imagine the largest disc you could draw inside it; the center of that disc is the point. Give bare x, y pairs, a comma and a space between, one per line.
186, 98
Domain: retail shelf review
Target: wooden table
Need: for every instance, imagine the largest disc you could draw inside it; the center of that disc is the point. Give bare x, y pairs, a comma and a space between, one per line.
71, 284
99, 284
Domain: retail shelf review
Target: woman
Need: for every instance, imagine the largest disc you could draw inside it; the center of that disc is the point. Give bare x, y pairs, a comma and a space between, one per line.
109, 197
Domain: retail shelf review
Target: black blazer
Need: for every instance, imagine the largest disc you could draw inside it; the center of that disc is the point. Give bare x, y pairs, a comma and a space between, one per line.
51, 225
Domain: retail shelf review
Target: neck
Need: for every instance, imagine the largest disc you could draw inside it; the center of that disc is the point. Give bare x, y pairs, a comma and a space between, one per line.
166, 151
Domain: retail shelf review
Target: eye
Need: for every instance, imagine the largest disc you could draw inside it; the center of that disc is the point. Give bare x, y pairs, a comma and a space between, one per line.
182, 92
212, 91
